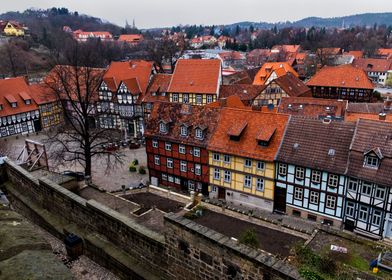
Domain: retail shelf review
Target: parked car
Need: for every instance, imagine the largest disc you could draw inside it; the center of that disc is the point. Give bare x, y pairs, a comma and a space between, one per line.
79, 176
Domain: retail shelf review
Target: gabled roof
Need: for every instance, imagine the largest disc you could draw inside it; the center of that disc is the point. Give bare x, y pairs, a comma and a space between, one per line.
132, 85
243, 91
292, 85
312, 107
159, 84
42, 94
12, 90
179, 114
373, 64
371, 135
231, 101
248, 145
280, 68
130, 38
231, 55
307, 143
344, 76
196, 76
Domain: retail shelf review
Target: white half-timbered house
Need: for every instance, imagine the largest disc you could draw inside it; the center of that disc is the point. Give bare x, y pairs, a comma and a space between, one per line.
310, 168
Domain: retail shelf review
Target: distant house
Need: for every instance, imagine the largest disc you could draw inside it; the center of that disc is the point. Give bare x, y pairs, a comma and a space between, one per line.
195, 81
156, 91
369, 111
12, 28
342, 82
201, 41
233, 59
246, 93
272, 70
376, 69
19, 114
131, 39
284, 86
83, 36
258, 57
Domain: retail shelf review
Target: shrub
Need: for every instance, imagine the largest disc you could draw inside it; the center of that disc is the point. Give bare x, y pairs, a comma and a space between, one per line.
132, 168
142, 170
309, 275
249, 238
135, 162
328, 265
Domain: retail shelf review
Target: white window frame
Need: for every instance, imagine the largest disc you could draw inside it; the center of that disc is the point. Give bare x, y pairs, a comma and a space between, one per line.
168, 146
330, 202
227, 176
333, 180
185, 98
350, 209
209, 98
184, 130
247, 163
367, 186
316, 176
380, 190
183, 166
299, 173
175, 97
169, 163
155, 143
199, 97
217, 174
260, 165
199, 133
227, 159
162, 127
376, 219
157, 160
197, 169
260, 184
298, 193
215, 156
196, 152
371, 161
314, 197
247, 181
352, 185
282, 169
363, 213
182, 149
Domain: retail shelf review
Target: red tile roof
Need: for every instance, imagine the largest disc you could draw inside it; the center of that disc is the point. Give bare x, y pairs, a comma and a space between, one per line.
344, 76
231, 55
373, 64
245, 92
42, 94
123, 71
266, 70
353, 117
130, 38
11, 90
355, 54
292, 85
287, 48
231, 101
312, 107
385, 52
196, 76
248, 146
159, 84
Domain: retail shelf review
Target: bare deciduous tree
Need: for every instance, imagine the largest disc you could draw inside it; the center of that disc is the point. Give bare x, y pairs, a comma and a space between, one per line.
76, 86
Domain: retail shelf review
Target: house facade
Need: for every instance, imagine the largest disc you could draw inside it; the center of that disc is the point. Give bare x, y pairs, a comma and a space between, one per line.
368, 200
157, 91
12, 28
19, 114
310, 169
376, 69
241, 157
195, 81
176, 145
342, 82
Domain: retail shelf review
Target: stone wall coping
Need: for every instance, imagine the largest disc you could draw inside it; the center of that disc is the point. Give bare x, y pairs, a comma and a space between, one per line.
257, 256
13, 165
48, 183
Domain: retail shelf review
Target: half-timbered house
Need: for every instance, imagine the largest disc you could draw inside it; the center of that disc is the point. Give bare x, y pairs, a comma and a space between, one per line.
369, 196
195, 81
176, 145
157, 91
310, 169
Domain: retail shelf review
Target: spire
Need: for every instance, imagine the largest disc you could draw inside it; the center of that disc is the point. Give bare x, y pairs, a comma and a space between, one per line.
126, 24
133, 24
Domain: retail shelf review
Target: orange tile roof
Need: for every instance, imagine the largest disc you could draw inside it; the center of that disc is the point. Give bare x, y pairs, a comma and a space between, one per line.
328, 51
353, 117
344, 76
248, 146
373, 64
131, 38
122, 71
196, 76
231, 55
10, 91
287, 48
355, 54
385, 52
231, 101
159, 84
42, 94
280, 68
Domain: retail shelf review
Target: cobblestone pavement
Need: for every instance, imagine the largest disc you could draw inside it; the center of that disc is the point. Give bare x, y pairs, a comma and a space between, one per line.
83, 268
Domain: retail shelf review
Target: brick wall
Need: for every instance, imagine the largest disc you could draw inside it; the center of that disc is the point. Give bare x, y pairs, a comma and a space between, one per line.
186, 251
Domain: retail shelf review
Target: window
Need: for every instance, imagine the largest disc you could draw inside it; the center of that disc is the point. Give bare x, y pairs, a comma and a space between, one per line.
168, 146
162, 127
376, 218
181, 149
175, 97
184, 130
171, 179
28, 101
333, 180
366, 188
316, 176
1, 107
282, 170
154, 143
227, 176
156, 160
209, 98
191, 186
314, 197
197, 169
363, 213
13, 104
298, 193
183, 166
196, 152
380, 192
331, 202
299, 173
350, 208
371, 161
185, 98
248, 181
352, 185
169, 163
214, 189
164, 177
216, 173
226, 159
177, 181
216, 156
248, 163
199, 133
260, 165
260, 184
199, 99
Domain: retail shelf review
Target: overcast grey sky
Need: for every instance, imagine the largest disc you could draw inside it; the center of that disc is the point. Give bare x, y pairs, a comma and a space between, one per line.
160, 13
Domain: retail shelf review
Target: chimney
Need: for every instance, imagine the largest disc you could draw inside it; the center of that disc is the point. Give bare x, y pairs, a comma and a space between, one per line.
382, 116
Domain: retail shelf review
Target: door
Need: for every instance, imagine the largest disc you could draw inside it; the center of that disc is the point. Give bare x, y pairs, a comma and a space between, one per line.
349, 225
388, 229
221, 193
154, 181
280, 200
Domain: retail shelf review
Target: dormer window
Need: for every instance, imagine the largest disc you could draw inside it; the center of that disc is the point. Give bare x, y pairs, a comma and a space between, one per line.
199, 133
28, 101
184, 130
13, 104
162, 127
1, 107
371, 161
